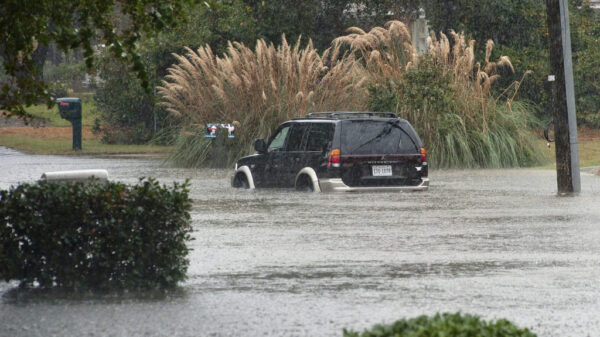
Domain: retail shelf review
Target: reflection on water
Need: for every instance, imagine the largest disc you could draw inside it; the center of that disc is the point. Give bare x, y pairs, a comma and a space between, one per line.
19, 296
498, 243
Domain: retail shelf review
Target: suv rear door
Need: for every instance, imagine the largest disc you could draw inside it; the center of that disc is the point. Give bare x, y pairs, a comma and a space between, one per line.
320, 136
379, 152
271, 174
294, 156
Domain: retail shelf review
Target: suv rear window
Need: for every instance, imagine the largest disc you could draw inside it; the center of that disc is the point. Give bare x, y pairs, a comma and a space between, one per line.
296, 136
376, 137
319, 136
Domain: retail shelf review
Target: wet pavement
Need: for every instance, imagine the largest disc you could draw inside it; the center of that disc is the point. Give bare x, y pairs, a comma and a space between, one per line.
497, 243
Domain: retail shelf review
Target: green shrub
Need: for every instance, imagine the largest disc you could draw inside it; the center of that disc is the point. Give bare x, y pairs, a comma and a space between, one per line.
444, 325
127, 112
96, 236
590, 120
66, 76
58, 89
384, 97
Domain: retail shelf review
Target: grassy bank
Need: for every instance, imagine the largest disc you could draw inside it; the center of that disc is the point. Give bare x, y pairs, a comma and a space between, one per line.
58, 141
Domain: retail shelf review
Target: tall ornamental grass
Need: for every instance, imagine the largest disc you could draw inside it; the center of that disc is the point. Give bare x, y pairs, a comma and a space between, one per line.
258, 89
447, 97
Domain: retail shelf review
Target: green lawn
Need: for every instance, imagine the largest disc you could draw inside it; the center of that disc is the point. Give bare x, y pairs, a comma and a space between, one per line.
52, 117
40, 142
589, 154
64, 146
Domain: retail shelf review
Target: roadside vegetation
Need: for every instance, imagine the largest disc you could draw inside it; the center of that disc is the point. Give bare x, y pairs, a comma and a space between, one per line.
446, 324
445, 94
474, 102
49, 134
258, 89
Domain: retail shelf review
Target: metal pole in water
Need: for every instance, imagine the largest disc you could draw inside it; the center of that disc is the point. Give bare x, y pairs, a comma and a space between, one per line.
565, 121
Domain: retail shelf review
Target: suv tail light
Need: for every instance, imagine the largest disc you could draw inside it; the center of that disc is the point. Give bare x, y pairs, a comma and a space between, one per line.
423, 156
334, 159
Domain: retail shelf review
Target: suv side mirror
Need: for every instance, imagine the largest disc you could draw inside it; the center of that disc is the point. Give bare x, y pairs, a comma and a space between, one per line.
260, 146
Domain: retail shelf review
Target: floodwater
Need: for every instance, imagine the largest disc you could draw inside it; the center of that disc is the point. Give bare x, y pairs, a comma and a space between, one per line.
497, 243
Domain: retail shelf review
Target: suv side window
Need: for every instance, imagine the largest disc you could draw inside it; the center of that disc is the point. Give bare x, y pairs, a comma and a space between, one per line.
279, 140
319, 135
296, 137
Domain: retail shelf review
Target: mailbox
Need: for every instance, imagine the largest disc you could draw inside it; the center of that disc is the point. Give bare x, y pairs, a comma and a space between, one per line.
70, 109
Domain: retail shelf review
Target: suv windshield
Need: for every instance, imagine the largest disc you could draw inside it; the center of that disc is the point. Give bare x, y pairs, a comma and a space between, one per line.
375, 137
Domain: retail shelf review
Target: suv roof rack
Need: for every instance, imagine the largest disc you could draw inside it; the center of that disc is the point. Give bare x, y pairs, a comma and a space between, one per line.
341, 115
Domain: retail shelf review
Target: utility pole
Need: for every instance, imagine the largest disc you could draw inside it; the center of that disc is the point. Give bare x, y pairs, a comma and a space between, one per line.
563, 97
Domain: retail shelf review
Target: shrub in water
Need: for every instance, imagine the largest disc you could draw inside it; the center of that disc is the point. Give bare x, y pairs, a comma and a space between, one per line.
94, 235
444, 325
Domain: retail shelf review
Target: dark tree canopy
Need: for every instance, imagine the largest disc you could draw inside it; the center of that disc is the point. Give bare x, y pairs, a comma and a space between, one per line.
507, 22
323, 21
27, 27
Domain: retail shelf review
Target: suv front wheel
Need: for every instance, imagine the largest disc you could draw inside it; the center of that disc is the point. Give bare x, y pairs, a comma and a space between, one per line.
243, 178
240, 181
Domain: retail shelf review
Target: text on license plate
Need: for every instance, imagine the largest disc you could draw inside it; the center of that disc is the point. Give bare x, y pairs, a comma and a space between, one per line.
382, 170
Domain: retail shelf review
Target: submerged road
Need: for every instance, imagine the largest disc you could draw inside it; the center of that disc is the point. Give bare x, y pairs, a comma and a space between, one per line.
497, 243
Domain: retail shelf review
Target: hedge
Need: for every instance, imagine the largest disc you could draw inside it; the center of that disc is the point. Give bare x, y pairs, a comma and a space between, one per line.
97, 235
446, 324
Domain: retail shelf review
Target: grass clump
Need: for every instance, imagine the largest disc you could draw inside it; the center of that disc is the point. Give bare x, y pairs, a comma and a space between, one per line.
258, 89
444, 325
447, 97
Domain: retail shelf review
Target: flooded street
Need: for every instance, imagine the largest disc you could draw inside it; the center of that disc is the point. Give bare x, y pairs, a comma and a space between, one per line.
497, 243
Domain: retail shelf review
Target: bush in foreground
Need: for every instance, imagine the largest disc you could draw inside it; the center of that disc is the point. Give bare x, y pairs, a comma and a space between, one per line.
444, 325
96, 236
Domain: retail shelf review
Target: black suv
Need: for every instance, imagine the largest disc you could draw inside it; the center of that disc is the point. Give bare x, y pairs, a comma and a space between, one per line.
338, 151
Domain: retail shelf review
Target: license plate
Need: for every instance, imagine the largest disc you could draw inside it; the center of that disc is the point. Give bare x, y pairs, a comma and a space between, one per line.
382, 170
